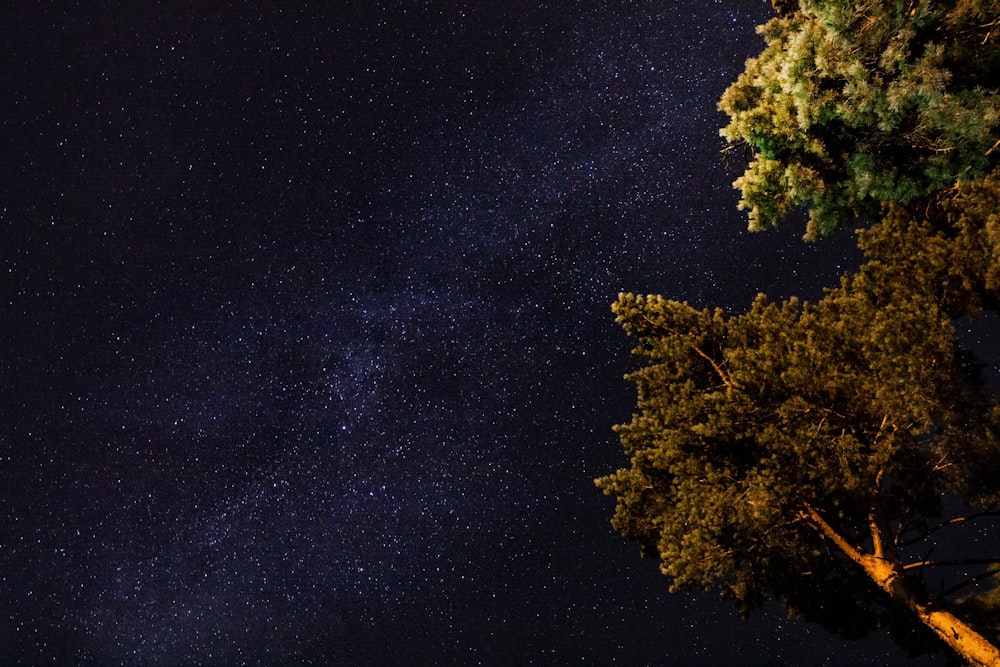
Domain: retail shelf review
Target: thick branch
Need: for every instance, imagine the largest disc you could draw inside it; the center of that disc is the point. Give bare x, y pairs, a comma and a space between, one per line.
825, 529
882, 542
889, 577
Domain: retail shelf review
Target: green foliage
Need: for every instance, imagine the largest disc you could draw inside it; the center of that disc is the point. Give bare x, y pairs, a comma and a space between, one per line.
854, 103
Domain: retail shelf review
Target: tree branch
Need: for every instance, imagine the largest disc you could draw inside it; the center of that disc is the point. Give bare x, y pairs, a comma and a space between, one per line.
968, 582
722, 374
951, 563
889, 577
813, 517
950, 522
884, 547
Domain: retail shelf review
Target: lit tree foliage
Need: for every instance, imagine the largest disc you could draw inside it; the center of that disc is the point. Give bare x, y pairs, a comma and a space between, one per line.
802, 451
805, 452
854, 102
953, 248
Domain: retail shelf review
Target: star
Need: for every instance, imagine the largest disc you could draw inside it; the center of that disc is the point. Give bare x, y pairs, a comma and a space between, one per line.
308, 354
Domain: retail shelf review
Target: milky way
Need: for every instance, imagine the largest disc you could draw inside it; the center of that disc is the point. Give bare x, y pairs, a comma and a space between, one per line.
307, 345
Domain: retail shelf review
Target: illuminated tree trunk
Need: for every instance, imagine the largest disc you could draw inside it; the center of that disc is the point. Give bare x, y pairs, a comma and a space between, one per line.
886, 571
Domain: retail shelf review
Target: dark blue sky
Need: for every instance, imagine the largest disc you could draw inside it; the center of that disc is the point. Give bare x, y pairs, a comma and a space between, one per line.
307, 347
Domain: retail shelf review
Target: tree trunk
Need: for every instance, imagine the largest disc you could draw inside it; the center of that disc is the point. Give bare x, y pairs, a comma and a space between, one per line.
888, 575
953, 631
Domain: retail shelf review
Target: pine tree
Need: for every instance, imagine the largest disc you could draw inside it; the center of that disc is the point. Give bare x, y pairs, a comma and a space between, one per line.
788, 452
854, 103
806, 452
802, 452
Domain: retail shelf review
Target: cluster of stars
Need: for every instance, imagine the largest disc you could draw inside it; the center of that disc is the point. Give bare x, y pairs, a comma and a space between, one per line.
308, 351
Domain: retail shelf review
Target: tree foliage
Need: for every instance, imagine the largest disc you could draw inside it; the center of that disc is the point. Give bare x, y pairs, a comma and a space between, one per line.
852, 103
953, 248
814, 452
762, 435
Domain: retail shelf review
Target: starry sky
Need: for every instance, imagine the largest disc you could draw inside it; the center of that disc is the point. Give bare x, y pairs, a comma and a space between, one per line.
307, 352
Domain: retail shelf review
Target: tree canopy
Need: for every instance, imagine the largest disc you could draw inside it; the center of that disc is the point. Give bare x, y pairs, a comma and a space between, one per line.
815, 453
852, 103
777, 450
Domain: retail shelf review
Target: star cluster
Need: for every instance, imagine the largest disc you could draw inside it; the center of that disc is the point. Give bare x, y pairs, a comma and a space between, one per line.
307, 346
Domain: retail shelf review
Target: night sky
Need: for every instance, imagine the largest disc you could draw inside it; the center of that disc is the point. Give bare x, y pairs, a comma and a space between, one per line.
307, 352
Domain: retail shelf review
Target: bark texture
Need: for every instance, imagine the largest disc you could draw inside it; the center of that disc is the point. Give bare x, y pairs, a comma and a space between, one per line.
887, 572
